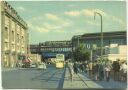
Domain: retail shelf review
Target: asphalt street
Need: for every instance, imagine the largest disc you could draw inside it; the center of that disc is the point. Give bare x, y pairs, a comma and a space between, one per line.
52, 78
33, 78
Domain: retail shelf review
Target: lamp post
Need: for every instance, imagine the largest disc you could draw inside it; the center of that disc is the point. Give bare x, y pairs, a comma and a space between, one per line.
101, 32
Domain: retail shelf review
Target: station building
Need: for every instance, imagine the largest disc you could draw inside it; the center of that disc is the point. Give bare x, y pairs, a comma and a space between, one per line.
90, 39
114, 44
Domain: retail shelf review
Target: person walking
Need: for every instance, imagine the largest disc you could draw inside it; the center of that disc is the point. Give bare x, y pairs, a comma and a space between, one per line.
85, 67
107, 72
123, 70
75, 68
82, 67
116, 69
96, 70
70, 65
101, 72
90, 69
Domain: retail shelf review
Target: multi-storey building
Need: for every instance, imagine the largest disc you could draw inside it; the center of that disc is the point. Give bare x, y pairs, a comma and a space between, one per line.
90, 39
116, 52
34, 48
14, 36
35, 58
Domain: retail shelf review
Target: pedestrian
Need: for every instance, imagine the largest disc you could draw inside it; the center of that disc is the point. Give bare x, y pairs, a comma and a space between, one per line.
107, 72
85, 67
101, 72
96, 70
66, 64
123, 70
75, 68
116, 69
82, 67
90, 69
78, 67
70, 65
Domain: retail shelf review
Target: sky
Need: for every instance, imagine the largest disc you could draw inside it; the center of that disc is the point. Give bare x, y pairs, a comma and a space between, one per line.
61, 20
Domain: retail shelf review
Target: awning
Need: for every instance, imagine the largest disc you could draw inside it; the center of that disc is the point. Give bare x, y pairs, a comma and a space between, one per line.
26, 61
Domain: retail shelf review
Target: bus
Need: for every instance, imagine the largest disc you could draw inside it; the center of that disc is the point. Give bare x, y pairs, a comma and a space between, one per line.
60, 58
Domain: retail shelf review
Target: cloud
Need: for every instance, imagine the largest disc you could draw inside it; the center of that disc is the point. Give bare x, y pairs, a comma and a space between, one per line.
71, 5
51, 16
118, 20
72, 13
57, 25
21, 9
92, 23
41, 29
85, 12
60, 31
48, 27
90, 12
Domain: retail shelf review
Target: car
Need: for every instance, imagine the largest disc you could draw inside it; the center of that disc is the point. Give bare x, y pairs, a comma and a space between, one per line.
42, 66
32, 66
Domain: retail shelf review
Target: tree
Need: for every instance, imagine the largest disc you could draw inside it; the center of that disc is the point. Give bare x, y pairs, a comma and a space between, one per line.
81, 54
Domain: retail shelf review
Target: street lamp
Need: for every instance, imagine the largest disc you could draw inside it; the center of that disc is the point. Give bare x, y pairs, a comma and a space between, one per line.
101, 32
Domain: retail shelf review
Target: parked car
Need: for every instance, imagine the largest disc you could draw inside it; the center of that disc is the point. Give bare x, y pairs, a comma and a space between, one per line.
32, 66
45, 66
42, 66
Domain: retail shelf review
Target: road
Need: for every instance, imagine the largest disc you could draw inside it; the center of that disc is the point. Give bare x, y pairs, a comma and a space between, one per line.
33, 78
53, 78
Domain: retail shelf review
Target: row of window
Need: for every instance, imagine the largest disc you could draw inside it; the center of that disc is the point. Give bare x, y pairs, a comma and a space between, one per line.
8, 23
15, 35
56, 49
13, 46
89, 43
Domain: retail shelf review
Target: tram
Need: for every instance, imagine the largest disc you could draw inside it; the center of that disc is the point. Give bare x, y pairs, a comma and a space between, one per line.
60, 60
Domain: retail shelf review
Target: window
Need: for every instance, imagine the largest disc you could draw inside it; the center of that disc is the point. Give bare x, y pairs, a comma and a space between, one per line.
13, 36
18, 38
22, 48
13, 47
13, 25
6, 21
6, 45
6, 33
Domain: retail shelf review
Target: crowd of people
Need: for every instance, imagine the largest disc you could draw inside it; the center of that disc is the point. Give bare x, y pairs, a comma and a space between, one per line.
96, 70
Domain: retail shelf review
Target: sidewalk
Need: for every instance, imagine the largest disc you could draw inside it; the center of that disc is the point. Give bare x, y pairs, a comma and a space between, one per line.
8, 69
78, 82
82, 80
105, 84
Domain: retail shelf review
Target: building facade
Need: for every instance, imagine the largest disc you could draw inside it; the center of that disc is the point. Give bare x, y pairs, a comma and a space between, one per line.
35, 58
90, 39
116, 52
14, 36
34, 48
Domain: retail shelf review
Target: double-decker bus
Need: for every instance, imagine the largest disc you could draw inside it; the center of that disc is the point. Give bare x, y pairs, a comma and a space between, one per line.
60, 60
